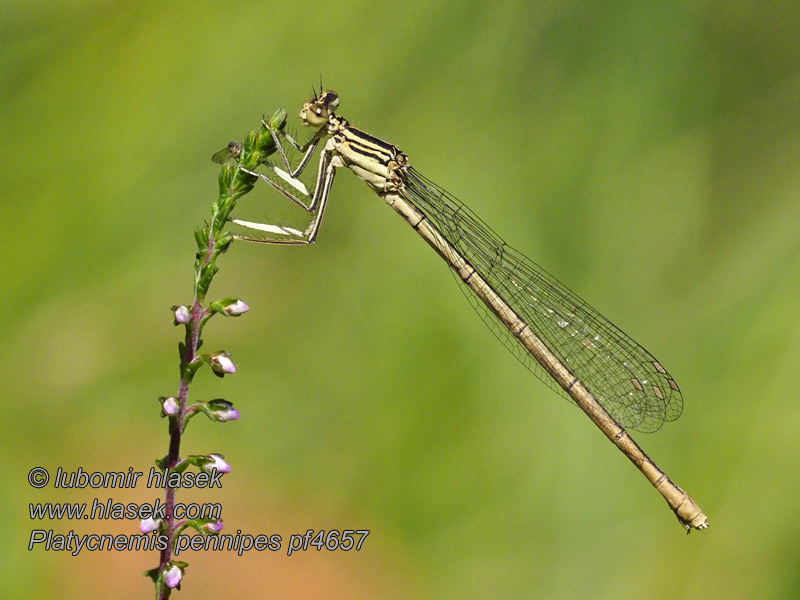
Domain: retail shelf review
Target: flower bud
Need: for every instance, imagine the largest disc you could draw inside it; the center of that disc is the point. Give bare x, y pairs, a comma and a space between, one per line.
182, 314
213, 528
234, 309
149, 525
222, 364
170, 406
222, 410
173, 576
218, 463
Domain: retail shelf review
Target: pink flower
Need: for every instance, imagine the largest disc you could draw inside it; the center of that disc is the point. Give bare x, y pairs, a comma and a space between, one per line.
170, 406
182, 314
222, 364
149, 525
214, 527
218, 463
236, 308
173, 576
223, 410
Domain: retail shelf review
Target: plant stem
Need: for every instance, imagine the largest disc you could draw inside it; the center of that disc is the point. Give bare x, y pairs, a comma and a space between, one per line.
212, 241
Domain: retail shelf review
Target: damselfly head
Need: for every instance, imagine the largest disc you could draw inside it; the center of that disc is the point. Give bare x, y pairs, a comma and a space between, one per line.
316, 111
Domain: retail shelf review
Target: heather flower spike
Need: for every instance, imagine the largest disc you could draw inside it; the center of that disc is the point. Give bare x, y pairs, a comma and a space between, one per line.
212, 240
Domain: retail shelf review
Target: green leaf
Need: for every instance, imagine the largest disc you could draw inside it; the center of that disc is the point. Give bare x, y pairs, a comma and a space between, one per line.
223, 242
277, 120
207, 272
192, 368
201, 237
226, 177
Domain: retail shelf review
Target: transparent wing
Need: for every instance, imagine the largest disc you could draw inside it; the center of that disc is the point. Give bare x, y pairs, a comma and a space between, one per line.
232, 151
625, 378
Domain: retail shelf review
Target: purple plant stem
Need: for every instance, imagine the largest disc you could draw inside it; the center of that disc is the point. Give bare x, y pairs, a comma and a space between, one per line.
192, 339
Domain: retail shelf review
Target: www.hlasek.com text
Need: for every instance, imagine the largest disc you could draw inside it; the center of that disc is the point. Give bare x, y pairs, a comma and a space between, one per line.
100, 510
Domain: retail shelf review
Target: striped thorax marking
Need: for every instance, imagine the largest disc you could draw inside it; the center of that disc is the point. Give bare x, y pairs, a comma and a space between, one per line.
370, 158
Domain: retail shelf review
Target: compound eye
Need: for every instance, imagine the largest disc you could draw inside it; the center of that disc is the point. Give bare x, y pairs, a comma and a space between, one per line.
317, 114
317, 111
331, 99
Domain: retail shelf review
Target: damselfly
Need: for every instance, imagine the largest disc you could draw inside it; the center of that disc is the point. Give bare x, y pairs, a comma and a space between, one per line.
552, 331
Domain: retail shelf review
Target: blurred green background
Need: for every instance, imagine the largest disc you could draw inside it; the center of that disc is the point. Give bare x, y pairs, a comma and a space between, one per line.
645, 153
